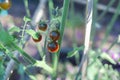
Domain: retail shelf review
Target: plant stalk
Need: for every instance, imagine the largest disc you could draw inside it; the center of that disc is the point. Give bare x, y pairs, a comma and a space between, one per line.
110, 25
26, 8
62, 27
84, 61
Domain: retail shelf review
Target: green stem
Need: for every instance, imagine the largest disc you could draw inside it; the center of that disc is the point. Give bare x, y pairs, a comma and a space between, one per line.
110, 25
63, 20
55, 63
29, 58
50, 8
105, 11
93, 33
42, 64
23, 32
26, 7
16, 60
113, 43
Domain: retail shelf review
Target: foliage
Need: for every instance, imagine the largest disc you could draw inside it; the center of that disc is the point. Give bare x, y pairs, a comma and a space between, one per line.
59, 18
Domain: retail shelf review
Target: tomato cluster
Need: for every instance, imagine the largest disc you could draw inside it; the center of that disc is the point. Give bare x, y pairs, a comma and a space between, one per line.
53, 46
54, 35
38, 37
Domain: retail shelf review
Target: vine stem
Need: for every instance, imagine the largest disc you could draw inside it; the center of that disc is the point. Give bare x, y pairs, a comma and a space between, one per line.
26, 7
62, 27
110, 25
23, 32
83, 63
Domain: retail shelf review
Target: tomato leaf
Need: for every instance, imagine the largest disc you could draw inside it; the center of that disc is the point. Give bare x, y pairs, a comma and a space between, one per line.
44, 65
5, 38
7, 41
14, 29
74, 52
107, 57
30, 32
33, 33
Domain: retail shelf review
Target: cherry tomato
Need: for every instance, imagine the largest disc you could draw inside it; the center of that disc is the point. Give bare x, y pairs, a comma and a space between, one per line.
5, 5
37, 38
42, 26
54, 35
53, 47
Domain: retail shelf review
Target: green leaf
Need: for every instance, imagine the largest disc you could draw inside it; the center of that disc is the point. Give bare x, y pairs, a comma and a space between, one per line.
44, 65
5, 38
7, 41
12, 56
33, 33
30, 32
32, 77
14, 29
92, 72
74, 52
107, 57
1, 46
26, 19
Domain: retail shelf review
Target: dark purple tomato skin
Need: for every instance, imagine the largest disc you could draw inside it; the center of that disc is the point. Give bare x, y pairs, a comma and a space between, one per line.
39, 36
53, 47
54, 35
42, 26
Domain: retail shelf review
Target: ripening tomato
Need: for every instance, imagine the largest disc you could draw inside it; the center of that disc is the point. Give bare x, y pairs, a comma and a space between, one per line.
54, 35
53, 47
42, 26
37, 38
5, 5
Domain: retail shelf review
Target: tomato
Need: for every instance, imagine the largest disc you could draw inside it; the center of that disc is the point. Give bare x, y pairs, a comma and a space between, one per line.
53, 47
42, 26
37, 38
54, 35
5, 5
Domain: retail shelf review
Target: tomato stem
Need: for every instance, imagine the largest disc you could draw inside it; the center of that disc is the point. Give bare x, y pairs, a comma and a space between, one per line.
62, 27
26, 8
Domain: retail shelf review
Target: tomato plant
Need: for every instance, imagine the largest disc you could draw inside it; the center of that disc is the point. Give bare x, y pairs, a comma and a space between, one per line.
58, 40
